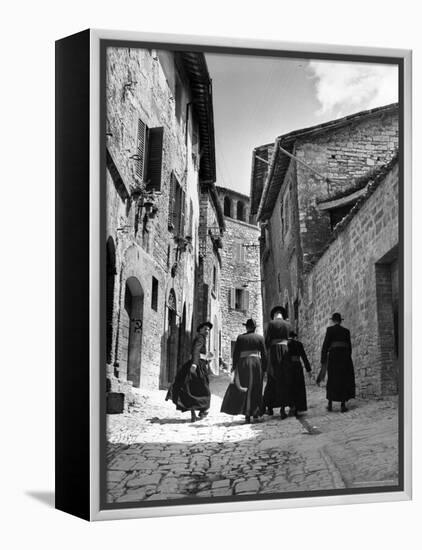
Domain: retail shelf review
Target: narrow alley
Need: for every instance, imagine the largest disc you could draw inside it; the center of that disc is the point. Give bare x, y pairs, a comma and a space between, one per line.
156, 453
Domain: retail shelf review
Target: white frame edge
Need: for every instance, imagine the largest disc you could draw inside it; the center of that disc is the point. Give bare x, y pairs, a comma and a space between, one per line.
173, 510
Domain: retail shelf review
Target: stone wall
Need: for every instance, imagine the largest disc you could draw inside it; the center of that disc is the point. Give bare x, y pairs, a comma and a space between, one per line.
238, 272
209, 275
342, 155
280, 261
144, 246
358, 277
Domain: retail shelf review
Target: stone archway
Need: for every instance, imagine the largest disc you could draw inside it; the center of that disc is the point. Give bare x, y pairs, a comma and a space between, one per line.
132, 327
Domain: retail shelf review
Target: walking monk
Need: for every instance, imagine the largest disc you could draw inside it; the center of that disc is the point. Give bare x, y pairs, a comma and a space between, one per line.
276, 392
297, 390
191, 389
244, 395
336, 356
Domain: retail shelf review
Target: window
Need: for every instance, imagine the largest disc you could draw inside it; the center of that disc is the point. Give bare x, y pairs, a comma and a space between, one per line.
227, 207
145, 233
239, 299
154, 294
238, 252
296, 310
279, 282
214, 279
337, 214
240, 211
149, 152
176, 206
190, 223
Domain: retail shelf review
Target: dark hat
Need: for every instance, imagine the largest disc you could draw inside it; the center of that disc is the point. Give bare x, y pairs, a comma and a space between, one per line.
336, 317
250, 323
204, 324
292, 334
278, 309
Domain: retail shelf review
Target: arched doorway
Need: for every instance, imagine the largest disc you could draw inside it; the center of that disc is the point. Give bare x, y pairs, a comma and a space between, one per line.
172, 336
111, 275
216, 351
132, 329
182, 351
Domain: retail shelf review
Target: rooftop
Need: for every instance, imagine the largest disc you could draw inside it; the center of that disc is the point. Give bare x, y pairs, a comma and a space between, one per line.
277, 169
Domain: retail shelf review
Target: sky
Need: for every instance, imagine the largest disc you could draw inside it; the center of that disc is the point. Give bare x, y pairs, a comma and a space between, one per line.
257, 99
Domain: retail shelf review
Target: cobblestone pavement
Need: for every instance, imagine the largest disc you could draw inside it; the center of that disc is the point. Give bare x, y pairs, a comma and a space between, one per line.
156, 453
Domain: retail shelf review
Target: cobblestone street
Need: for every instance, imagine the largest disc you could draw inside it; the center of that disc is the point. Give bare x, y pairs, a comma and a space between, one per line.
156, 453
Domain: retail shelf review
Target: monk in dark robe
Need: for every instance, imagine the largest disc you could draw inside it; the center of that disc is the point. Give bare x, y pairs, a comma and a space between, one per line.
297, 389
336, 356
190, 390
276, 392
244, 395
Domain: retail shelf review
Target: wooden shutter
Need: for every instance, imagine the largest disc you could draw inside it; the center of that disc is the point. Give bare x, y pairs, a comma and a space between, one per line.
155, 157
182, 212
246, 300
140, 150
172, 200
191, 218
233, 298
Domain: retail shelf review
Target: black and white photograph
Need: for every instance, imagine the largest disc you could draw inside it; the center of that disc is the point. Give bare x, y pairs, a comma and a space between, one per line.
253, 275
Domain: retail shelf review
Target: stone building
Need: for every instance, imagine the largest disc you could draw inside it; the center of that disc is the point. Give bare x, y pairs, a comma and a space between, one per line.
240, 290
311, 181
208, 281
160, 152
358, 275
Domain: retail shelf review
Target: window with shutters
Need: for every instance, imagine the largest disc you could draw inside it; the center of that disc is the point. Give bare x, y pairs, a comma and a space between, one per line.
141, 148
239, 299
177, 207
238, 252
149, 155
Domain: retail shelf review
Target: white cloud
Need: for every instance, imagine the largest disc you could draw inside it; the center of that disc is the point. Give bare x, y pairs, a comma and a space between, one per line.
345, 88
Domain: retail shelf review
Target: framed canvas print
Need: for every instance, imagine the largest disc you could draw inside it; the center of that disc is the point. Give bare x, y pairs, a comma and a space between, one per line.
233, 275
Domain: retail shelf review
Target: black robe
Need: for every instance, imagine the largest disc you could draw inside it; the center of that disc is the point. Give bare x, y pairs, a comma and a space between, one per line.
297, 388
276, 392
337, 353
249, 372
191, 391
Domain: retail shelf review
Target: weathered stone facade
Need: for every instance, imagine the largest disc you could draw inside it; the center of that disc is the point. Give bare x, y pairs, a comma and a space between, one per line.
358, 276
153, 211
302, 201
211, 228
240, 293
